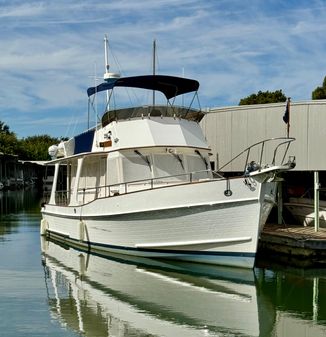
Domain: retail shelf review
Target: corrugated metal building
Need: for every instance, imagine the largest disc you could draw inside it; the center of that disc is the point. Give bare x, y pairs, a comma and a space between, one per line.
230, 130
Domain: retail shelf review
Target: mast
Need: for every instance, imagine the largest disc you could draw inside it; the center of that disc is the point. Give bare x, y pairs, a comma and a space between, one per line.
154, 66
108, 76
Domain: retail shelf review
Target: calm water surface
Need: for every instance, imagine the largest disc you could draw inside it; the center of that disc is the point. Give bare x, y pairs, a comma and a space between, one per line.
47, 289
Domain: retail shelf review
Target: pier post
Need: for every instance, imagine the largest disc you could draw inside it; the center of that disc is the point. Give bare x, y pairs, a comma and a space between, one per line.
315, 300
316, 200
279, 203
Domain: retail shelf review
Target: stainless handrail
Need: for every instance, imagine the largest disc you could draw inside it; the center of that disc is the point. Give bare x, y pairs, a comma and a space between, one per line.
61, 197
262, 143
151, 181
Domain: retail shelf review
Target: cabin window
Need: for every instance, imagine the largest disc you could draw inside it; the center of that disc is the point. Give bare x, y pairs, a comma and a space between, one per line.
73, 172
62, 178
197, 166
48, 179
136, 167
61, 196
88, 175
195, 163
169, 165
113, 171
92, 179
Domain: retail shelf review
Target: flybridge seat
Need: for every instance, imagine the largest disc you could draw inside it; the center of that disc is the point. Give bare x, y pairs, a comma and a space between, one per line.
152, 111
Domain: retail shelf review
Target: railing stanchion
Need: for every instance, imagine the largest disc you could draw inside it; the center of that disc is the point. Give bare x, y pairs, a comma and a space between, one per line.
246, 163
261, 153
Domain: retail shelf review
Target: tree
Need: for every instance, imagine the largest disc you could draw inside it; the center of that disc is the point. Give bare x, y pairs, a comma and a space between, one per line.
320, 92
30, 148
4, 128
8, 141
36, 147
263, 97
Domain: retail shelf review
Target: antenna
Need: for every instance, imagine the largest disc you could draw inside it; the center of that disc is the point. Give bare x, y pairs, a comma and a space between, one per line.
108, 77
106, 55
106, 63
183, 75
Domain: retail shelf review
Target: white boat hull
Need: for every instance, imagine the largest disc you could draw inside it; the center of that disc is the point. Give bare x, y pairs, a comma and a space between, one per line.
302, 209
192, 222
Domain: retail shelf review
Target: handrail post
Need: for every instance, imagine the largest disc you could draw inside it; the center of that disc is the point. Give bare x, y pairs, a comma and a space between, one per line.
279, 202
316, 200
246, 163
261, 153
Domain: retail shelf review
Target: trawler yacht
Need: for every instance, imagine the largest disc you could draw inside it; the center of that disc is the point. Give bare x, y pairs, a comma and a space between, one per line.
140, 183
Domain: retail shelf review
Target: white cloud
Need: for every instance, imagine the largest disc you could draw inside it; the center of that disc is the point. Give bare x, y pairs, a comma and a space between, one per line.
50, 50
22, 10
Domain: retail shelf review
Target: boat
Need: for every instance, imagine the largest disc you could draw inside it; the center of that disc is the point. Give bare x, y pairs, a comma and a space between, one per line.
303, 211
99, 296
140, 182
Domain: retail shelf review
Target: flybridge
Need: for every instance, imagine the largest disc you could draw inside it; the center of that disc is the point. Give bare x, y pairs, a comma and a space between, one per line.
152, 111
170, 86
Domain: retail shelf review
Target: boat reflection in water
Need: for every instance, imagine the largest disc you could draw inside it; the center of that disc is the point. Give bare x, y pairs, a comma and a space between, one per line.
114, 297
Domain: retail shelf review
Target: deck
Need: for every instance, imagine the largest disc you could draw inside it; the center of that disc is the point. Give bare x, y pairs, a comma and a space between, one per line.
292, 244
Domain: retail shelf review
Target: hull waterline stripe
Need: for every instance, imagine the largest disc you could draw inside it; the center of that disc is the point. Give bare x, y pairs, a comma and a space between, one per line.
102, 246
64, 235
191, 243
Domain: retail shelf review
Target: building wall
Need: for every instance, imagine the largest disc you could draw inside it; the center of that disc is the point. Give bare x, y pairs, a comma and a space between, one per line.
230, 130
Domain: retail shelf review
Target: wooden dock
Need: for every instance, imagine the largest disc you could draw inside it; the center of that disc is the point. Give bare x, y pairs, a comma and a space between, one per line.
293, 244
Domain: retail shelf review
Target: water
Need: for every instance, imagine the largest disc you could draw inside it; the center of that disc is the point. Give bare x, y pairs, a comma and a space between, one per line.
47, 289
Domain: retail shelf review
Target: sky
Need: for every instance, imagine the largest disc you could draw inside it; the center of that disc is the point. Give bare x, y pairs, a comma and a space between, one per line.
52, 51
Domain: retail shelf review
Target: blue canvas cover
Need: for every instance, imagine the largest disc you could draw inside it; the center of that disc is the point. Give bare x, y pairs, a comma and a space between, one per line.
170, 86
84, 142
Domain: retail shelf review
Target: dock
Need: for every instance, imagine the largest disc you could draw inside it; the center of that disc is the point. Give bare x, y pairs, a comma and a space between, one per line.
293, 244
16, 174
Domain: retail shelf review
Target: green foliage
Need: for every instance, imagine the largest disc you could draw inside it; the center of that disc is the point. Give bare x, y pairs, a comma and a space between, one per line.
36, 147
264, 97
30, 148
4, 128
8, 143
8, 140
320, 92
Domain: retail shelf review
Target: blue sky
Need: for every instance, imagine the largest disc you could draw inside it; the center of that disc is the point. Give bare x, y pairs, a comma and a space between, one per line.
51, 51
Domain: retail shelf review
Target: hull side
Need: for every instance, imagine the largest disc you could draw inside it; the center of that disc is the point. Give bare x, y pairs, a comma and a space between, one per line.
204, 228
302, 209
